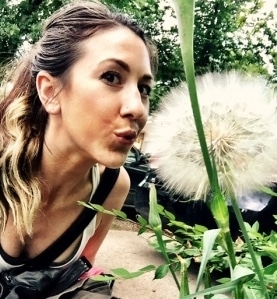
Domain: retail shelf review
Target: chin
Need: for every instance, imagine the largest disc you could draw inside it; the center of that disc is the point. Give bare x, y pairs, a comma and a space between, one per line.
116, 161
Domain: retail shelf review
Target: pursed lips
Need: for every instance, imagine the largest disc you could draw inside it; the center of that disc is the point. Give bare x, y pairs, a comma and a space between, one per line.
127, 136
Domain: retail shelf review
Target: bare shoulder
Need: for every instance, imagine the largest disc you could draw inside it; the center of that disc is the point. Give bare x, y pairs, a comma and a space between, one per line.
123, 181
115, 200
120, 191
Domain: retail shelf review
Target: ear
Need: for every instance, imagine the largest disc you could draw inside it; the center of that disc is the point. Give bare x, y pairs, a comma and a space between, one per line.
47, 88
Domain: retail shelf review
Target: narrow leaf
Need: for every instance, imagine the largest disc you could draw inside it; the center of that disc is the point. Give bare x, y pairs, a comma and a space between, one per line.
209, 238
142, 220
103, 277
124, 273
120, 214
246, 275
268, 191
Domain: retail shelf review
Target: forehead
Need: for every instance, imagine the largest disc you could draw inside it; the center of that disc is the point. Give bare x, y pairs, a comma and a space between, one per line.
117, 43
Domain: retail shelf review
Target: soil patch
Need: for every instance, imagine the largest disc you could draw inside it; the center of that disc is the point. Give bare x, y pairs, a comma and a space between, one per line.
127, 225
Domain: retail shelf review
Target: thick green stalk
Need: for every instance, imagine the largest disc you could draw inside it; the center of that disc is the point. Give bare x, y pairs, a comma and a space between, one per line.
184, 288
207, 281
219, 209
250, 247
185, 17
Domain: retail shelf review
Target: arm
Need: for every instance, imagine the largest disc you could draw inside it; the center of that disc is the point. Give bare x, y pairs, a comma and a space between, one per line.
115, 200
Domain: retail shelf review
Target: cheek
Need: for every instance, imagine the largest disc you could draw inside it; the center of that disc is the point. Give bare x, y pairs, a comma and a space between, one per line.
84, 104
142, 121
147, 109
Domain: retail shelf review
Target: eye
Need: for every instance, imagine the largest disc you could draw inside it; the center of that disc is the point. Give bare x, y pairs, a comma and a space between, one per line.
111, 78
144, 89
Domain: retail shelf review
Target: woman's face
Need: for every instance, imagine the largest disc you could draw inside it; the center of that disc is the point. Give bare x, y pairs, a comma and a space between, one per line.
105, 103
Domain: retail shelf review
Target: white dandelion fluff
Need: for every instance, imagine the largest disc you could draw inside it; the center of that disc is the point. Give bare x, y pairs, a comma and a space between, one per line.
240, 123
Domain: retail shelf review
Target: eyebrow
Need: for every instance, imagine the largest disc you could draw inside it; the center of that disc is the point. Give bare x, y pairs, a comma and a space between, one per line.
126, 67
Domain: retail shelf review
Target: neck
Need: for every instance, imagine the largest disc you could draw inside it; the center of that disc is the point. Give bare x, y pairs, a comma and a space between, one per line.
62, 176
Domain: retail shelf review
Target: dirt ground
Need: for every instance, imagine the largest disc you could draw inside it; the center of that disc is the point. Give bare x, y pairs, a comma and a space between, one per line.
124, 248
127, 225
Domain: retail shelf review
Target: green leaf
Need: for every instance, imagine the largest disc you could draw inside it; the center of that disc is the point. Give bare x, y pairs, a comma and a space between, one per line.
269, 250
103, 277
240, 275
84, 204
161, 271
270, 269
96, 207
124, 273
199, 228
209, 238
268, 191
252, 293
142, 230
256, 226
120, 214
180, 224
142, 220
148, 268
223, 280
169, 215
192, 252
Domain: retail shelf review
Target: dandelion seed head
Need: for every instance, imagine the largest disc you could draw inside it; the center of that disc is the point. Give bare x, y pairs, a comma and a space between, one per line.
239, 117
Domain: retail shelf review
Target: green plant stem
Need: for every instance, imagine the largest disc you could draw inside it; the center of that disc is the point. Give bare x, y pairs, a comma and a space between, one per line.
230, 248
156, 226
184, 288
232, 258
207, 281
185, 17
165, 255
250, 247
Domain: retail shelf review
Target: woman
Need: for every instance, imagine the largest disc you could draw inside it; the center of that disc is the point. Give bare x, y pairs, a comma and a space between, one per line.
77, 104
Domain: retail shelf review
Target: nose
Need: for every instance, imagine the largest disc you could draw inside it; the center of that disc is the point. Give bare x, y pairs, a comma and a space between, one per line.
134, 106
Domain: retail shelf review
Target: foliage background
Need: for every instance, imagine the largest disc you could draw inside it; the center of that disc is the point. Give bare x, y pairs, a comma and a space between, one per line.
229, 34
